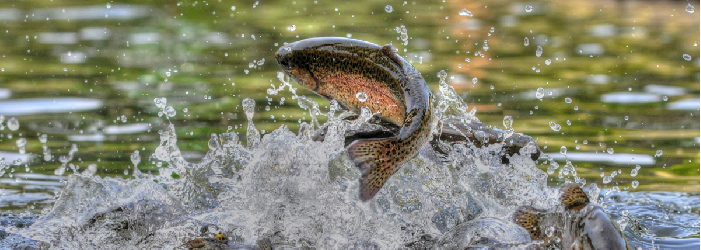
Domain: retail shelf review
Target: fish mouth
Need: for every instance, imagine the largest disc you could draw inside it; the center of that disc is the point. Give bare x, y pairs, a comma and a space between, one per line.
282, 56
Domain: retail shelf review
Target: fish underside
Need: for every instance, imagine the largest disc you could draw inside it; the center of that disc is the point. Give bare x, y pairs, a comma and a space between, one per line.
343, 69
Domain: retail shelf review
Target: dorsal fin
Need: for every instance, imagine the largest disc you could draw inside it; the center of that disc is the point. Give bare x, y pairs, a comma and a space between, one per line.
573, 197
391, 52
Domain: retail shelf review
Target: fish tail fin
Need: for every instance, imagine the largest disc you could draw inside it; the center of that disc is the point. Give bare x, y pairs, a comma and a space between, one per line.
573, 197
529, 218
372, 157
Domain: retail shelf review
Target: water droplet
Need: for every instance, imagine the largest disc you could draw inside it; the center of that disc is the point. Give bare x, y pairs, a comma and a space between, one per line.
43, 138
491, 87
540, 93
403, 34
568, 100
625, 118
609, 151
60, 170
563, 150
539, 51
21, 142
576, 107
362, 97
554, 126
529, 8
658, 153
108, 5
213, 143
13, 124
248, 106
292, 27
550, 231
686, 57
634, 184
170, 111
474, 80
92, 169
569, 123
233, 8
634, 172
525, 41
607, 179
135, 157
465, 12
508, 122
665, 98
442, 75
547, 62
160, 102
690, 8
553, 166
389, 8
184, 110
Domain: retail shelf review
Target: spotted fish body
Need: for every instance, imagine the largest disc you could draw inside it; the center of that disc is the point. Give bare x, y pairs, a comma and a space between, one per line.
583, 225
341, 68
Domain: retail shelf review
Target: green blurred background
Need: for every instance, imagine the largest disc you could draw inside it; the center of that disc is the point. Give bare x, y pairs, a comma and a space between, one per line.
622, 63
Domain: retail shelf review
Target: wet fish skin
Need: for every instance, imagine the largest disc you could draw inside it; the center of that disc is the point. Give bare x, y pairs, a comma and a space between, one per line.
339, 68
583, 225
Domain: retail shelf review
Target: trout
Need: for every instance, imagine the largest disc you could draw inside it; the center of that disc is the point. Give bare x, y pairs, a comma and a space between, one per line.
356, 73
578, 224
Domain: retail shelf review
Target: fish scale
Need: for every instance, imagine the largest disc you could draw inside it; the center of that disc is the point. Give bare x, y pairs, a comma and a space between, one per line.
339, 68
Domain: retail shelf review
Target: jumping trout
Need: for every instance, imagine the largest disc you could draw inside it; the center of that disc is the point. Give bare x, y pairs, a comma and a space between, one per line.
346, 70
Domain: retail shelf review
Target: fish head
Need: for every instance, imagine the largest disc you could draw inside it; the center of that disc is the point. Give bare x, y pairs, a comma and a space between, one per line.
295, 68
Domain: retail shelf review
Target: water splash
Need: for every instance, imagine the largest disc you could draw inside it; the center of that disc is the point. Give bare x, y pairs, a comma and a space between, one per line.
290, 190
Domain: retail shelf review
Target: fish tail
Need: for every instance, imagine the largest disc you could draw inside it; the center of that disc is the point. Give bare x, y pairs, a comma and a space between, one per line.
573, 197
372, 157
529, 218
